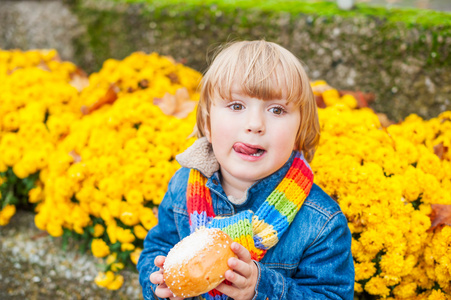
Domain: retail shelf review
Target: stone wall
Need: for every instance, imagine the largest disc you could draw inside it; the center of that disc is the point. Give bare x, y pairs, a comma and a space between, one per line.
407, 66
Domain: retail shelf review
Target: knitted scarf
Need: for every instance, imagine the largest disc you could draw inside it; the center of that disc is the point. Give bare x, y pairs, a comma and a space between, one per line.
257, 231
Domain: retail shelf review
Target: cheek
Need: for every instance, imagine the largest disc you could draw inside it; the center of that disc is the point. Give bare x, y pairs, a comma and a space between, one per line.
221, 128
284, 136
220, 133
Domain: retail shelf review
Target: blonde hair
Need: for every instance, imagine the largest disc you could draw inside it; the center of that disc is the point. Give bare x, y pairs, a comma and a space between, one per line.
266, 71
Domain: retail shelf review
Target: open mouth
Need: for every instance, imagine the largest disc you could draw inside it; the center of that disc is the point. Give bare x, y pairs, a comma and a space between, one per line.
247, 149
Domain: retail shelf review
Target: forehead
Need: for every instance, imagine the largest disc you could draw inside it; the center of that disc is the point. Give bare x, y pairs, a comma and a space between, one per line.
265, 72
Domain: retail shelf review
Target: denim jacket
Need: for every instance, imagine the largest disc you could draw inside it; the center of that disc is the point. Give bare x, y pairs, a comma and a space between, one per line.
312, 260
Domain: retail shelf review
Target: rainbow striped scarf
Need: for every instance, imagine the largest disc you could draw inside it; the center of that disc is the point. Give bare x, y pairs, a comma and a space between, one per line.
257, 231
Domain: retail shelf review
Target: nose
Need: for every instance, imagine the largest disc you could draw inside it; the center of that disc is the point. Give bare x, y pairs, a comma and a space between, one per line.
255, 123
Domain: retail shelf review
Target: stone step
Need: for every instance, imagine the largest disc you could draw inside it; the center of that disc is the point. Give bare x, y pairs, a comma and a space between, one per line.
34, 266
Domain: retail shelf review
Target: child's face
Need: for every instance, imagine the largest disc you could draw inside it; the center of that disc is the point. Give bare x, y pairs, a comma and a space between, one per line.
252, 138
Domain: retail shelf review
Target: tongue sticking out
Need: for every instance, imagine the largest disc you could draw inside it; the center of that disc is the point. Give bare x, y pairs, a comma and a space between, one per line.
245, 149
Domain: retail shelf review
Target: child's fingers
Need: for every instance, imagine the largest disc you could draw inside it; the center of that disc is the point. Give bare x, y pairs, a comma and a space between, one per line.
228, 290
159, 261
157, 277
163, 291
240, 267
235, 279
239, 288
242, 253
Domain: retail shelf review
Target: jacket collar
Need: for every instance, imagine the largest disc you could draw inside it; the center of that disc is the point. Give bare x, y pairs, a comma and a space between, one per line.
199, 156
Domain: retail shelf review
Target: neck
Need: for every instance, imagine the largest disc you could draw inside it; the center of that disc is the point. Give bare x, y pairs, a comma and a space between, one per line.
233, 186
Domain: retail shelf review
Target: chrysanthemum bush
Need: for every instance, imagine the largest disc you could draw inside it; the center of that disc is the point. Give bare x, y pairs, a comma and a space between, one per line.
35, 90
385, 180
107, 154
105, 168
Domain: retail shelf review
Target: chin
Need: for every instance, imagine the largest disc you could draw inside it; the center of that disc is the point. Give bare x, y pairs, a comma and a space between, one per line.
245, 175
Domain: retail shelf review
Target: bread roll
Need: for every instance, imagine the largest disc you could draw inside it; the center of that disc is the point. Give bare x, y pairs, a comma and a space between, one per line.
197, 263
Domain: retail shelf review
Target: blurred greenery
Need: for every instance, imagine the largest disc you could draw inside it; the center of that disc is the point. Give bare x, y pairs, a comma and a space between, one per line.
15, 190
410, 16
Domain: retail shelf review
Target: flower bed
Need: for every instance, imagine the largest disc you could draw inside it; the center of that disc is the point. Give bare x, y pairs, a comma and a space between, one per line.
93, 156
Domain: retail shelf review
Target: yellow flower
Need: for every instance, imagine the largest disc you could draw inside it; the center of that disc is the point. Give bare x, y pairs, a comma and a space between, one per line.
105, 214
54, 229
129, 217
11, 121
99, 248
115, 207
364, 270
124, 235
41, 220
376, 286
6, 214
371, 241
111, 258
134, 256
140, 232
111, 230
358, 287
116, 283
8, 211
110, 187
3, 166
331, 97
10, 156
134, 197
35, 195
349, 101
116, 266
430, 163
76, 171
392, 264
437, 295
95, 208
405, 290
127, 247
98, 230
147, 218
103, 279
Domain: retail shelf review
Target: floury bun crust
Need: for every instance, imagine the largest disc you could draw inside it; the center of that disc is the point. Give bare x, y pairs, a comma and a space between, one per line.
197, 263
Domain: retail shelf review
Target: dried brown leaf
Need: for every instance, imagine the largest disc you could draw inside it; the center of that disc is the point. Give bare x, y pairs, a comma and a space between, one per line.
109, 98
440, 216
440, 150
178, 105
79, 80
75, 156
384, 120
173, 77
320, 101
144, 84
321, 88
363, 99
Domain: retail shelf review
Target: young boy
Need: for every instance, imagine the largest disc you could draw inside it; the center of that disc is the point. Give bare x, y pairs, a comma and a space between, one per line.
258, 128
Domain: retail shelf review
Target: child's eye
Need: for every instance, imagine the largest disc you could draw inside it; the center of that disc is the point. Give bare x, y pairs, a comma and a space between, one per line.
277, 110
236, 106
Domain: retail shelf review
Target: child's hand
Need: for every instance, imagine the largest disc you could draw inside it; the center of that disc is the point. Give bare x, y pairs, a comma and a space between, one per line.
243, 277
162, 290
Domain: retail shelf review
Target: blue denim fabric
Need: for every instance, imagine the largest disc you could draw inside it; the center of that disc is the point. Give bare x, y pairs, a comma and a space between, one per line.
312, 260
